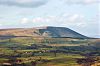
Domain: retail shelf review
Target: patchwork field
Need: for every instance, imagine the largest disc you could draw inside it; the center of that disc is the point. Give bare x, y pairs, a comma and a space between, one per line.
49, 51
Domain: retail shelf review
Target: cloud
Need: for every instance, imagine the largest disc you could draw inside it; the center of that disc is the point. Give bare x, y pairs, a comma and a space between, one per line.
82, 1
39, 19
69, 20
23, 3
44, 19
75, 18
62, 20
24, 21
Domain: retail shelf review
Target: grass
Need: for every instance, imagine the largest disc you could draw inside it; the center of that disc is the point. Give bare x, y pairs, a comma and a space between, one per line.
3, 60
61, 60
6, 51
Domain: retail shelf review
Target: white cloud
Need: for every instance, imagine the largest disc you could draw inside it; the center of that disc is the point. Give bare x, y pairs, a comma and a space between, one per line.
39, 19
62, 20
25, 20
75, 18
78, 20
49, 19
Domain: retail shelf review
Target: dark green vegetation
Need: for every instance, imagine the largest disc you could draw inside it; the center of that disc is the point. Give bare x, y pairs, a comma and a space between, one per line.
28, 51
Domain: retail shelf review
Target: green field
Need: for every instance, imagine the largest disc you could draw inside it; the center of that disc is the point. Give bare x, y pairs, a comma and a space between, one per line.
56, 52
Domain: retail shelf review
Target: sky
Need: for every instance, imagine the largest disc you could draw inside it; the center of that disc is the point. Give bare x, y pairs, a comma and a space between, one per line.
82, 16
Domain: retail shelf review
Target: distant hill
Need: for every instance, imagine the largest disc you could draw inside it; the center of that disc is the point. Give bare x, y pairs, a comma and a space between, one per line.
41, 32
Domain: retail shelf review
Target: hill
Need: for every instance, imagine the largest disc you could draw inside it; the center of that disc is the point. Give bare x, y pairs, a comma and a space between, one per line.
41, 32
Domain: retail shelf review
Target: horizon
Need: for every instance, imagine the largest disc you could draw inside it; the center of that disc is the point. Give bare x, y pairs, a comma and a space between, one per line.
82, 16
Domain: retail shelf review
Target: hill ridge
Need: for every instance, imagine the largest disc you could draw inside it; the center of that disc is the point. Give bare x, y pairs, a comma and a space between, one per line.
45, 31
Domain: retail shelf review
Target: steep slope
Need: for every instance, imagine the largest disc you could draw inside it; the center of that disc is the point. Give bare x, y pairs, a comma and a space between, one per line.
42, 32
60, 32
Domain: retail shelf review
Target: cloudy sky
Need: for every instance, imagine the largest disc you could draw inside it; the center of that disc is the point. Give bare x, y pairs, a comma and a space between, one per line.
80, 15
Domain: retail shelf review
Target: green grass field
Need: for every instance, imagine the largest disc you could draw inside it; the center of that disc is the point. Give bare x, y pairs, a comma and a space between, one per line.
51, 60
28, 50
